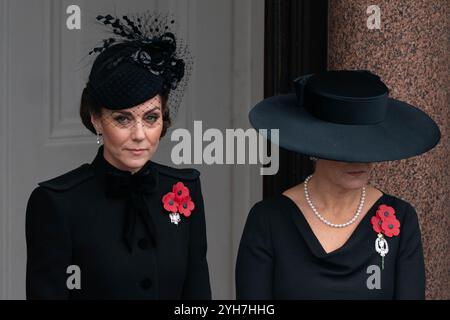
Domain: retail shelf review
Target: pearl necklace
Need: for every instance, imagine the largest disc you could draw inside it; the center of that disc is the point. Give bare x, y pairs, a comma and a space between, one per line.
334, 225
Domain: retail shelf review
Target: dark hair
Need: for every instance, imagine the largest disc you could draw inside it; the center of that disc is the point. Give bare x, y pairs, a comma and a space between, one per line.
88, 106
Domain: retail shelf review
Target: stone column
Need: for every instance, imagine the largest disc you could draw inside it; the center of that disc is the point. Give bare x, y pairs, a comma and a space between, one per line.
410, 52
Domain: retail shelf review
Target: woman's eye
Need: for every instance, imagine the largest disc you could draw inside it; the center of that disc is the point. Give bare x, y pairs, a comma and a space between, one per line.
122, 119
151, 118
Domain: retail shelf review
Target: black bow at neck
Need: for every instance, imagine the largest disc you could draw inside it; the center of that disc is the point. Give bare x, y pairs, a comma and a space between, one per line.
134, 188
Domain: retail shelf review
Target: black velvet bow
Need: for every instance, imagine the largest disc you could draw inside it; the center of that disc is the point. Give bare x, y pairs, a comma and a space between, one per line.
134, 188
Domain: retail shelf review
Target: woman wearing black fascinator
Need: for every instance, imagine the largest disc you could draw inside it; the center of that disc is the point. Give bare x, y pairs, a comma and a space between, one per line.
335, 236
133, 228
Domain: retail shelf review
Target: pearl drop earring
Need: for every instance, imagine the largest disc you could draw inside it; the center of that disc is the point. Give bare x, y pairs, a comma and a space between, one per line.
98, 138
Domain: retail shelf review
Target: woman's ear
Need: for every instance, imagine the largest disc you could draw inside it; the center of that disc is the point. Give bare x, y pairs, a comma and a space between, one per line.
96, 123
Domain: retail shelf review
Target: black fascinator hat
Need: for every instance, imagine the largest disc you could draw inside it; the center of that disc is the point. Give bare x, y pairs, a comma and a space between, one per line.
346, 116
141, 59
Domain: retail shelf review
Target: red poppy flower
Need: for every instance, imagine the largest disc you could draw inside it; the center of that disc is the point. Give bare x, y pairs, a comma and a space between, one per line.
385, 221
391, 227
376, 224
170, 204
186, 206
385, 212
180, 191
178, 200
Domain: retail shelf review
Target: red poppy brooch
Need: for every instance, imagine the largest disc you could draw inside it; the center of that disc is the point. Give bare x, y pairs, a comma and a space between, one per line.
385, 224
178, 202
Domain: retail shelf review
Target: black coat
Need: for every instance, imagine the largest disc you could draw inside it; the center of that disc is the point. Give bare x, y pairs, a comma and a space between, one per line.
71, 220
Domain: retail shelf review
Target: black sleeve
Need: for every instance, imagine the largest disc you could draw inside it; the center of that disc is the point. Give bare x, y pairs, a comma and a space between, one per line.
48, 248
196, 285
254, 263
410, 269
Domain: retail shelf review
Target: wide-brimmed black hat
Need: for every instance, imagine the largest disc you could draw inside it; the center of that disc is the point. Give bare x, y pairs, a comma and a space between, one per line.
346, 116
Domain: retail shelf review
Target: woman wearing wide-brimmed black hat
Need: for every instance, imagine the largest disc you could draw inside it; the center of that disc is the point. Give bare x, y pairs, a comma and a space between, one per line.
123, 226
334, 236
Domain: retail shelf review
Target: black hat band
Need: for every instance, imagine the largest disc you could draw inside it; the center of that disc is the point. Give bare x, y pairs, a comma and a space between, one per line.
339, 109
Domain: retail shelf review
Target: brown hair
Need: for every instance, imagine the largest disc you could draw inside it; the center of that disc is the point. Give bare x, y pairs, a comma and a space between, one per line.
88, 106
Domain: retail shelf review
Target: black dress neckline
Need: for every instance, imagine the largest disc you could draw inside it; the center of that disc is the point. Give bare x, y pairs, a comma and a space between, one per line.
311, 239
102, 166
